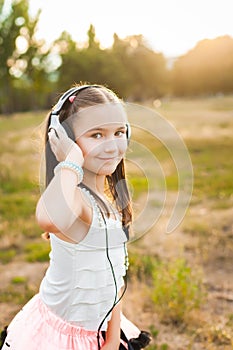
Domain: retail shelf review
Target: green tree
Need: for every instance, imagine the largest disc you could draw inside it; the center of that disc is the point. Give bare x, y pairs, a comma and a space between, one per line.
129, 67
90, 64
69, 70
92, 42
206, 69
23, 59
145, 69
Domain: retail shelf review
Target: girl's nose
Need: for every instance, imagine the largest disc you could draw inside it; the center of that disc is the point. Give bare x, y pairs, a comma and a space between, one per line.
110, 146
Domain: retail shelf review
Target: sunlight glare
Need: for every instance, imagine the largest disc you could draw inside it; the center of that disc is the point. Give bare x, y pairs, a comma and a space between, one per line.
170, 27
21, 44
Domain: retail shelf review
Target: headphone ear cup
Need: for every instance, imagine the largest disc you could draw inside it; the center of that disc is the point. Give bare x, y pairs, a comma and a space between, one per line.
128, 131
68, 130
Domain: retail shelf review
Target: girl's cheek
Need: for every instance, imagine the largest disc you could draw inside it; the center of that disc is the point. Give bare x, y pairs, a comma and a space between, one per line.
91, 149
123, 145
85, 146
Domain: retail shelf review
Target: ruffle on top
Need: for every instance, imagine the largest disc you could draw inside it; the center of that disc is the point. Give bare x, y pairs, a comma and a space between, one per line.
79, 284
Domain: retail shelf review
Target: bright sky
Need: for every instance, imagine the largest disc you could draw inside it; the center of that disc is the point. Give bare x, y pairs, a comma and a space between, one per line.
170, 26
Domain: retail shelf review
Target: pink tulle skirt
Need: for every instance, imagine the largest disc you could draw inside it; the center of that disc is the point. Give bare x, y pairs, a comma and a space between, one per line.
35, 327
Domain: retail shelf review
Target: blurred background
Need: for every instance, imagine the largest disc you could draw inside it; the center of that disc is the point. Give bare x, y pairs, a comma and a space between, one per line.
163, 48
175, 60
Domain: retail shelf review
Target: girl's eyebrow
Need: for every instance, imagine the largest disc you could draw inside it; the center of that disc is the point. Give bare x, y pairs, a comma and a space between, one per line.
123, 127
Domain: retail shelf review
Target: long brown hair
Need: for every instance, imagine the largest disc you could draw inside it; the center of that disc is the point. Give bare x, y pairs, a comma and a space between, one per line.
116, 182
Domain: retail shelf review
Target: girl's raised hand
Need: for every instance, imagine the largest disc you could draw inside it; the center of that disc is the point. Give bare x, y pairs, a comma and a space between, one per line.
62, 146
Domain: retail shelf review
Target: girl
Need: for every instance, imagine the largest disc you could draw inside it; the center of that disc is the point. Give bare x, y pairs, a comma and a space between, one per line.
86, 209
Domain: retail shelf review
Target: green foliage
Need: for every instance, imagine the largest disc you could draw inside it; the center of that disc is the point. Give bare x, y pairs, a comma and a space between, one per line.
23, 68
230, 321
30, 72
141, 266
19, 188
37, 251
154, 344
196, 74
18, 194
153, 331
19, 280
7, 255
122, 67
194, 227
11, 184
177, 290
138, 185
212, 168
19, 295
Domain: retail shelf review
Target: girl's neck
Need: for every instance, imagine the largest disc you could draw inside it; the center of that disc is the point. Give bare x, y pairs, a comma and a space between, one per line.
95, 186
95, 182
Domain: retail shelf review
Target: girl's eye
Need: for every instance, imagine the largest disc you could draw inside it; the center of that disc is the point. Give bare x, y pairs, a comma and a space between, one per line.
97, 135
120, 133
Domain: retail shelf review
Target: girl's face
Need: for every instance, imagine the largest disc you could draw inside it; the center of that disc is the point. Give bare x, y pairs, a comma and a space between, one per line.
100, 132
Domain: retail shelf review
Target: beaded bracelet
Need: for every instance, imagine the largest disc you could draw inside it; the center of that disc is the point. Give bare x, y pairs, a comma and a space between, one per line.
77, 169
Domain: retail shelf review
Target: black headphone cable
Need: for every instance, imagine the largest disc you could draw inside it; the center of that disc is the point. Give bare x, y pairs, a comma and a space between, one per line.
116, 301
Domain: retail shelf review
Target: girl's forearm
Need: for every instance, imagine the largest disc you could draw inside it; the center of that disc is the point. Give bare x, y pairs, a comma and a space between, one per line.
113, 331
60, 204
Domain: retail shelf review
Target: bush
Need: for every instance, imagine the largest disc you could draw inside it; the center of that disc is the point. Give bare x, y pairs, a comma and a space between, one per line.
176, 290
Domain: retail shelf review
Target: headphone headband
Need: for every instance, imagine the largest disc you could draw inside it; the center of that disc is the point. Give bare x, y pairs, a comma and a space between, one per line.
58, 106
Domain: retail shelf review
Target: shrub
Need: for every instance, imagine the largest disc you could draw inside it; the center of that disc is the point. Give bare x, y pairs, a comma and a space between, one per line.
177, 290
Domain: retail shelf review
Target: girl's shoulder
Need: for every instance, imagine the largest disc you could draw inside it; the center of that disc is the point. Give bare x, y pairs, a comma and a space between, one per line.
102, 207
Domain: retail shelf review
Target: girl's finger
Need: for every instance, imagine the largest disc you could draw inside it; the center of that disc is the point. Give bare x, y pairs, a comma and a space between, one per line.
53, 132
52, 138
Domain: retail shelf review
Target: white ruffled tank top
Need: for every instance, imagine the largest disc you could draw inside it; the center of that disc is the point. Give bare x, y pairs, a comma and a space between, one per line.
79, 285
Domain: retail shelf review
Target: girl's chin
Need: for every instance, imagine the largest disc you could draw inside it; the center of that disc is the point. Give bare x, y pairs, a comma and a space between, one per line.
105, 169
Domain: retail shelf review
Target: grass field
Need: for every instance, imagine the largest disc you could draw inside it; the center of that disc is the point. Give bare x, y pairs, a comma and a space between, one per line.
180, 284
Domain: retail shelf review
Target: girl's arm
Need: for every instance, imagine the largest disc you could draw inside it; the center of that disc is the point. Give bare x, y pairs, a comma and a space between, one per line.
62, 202
113, 332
